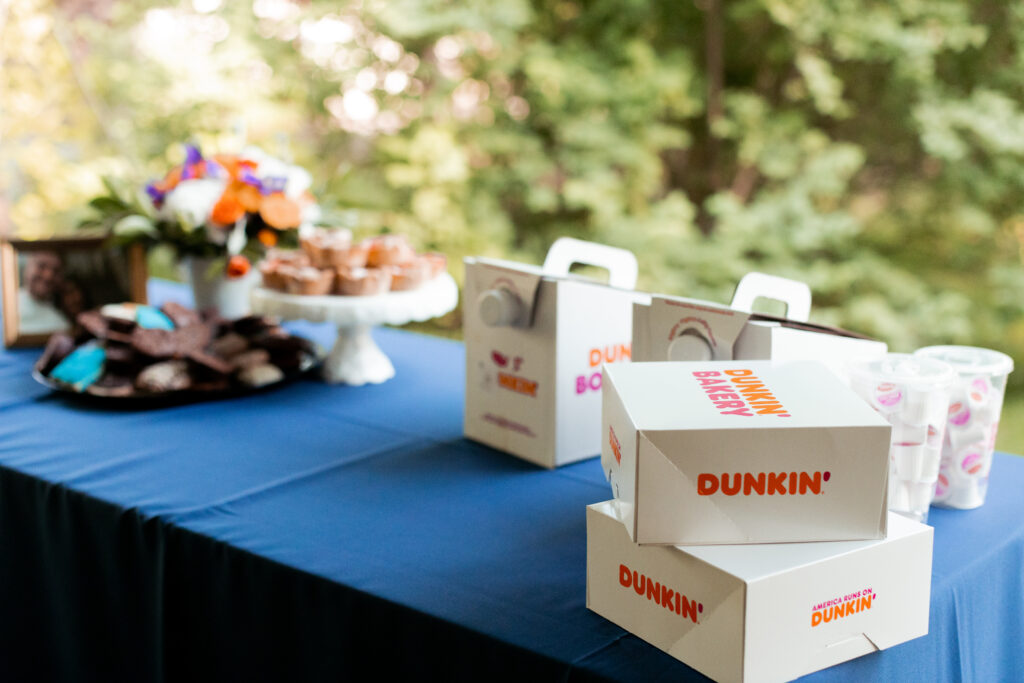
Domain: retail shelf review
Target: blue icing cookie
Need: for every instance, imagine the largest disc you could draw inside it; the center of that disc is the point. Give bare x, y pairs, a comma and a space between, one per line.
82, 367
150, 318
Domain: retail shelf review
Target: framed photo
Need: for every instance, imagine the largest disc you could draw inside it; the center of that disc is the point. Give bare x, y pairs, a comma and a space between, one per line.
47, 283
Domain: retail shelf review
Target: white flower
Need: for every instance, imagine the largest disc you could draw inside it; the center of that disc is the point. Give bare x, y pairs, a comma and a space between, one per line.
192, 201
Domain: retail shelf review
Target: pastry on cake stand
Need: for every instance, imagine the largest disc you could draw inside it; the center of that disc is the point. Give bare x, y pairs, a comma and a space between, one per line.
356, 359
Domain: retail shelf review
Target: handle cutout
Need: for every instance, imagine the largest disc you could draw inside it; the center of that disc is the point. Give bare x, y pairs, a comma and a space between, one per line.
621, 264
794, 294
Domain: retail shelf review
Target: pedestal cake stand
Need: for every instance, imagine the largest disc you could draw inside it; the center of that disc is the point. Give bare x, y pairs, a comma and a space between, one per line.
356, 359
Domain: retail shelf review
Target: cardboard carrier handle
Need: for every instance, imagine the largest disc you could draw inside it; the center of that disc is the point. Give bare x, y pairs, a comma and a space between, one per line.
795, 294
620, 263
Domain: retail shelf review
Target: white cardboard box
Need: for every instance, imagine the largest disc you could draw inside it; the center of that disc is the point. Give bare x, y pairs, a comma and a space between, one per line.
762, 612
742, 452
535, 342
674, 328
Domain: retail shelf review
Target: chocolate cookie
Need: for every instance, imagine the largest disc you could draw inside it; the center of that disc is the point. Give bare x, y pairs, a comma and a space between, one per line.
211, 361
229, 345
112, 385
171, 343
250, 358
253, 324
57, 349
180, 315
260, 375
93, 323
170, 375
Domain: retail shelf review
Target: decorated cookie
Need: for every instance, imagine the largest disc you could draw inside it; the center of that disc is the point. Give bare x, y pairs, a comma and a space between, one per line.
149, 318
82, 367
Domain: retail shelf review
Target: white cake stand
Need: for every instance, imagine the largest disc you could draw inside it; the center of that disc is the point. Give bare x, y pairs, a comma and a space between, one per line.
356, 359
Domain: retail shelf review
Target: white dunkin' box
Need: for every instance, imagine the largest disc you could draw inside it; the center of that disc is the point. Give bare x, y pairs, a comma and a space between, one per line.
535, 342
674, 328
743, 452
762, 612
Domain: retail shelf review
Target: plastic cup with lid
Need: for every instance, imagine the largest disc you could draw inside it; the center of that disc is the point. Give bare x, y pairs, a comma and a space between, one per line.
913, 394
975, 405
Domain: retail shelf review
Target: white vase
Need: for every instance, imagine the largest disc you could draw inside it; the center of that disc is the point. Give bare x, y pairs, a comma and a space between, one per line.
211, 288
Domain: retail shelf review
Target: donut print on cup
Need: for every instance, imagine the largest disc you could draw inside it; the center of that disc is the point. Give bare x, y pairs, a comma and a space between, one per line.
959, 414
941, 487
888, 395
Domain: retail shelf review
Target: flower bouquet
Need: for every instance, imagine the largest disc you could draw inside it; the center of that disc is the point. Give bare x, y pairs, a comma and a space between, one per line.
219, 213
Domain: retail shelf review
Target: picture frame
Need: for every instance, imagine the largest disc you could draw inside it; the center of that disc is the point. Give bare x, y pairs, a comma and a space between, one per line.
45, 283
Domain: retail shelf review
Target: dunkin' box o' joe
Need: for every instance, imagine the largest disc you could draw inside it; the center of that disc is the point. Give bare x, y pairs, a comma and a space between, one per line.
677, 329
742, 452
758, 613
535, 342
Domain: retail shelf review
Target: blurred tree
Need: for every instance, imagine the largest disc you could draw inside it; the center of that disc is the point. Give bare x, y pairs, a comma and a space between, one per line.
874, 149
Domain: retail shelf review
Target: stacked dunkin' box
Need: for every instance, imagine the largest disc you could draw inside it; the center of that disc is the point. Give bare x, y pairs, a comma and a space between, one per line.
749, 535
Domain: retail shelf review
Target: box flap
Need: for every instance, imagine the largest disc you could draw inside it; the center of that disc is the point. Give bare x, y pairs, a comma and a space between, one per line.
689, 329
738, 395
752, 563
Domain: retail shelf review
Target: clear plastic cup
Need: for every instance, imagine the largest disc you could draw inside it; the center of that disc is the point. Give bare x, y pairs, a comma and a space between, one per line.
972, 422
912, 393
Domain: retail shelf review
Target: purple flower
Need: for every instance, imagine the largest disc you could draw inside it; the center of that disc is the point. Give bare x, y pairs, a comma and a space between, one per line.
273, 184
192, 158
214, 170
155, 195
249, 178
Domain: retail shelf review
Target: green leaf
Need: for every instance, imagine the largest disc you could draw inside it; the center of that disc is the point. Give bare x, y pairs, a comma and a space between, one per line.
135, 226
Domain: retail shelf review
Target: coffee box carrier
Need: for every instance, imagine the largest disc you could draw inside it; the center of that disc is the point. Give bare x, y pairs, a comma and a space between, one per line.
535, 342
762, 612
742, 452
673, 328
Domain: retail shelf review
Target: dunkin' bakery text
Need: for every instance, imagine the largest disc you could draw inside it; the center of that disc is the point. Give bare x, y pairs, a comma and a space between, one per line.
739, 392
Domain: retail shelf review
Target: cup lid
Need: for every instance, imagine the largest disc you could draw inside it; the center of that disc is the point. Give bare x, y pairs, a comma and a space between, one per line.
970, 360
903, 368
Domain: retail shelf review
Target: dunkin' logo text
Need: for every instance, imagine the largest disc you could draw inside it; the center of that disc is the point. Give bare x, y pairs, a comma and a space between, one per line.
659, 594
616, 446
837, 608
762, 483
615, 353
739, 392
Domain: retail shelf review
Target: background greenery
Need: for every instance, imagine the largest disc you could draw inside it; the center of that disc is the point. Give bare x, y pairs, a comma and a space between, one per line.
874, 149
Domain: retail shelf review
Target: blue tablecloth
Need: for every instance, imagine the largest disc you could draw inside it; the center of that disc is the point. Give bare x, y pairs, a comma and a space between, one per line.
306, 532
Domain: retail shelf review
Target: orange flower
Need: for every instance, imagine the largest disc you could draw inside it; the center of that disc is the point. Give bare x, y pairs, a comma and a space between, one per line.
280, 212
238, 266
227, 210
249, 196
170, 180
267, 238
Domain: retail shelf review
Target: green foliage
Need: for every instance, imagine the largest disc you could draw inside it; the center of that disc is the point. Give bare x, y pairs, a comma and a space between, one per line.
874, 149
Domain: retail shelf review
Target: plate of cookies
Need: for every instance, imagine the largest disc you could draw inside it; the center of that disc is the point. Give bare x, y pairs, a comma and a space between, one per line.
131, 352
